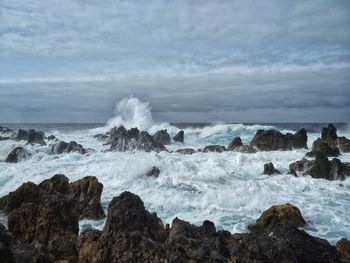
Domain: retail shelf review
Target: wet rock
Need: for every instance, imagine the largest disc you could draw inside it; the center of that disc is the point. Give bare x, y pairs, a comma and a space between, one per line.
244, 149
272, 140
186, 151
236, 142
7, 133
6, 254
320, 145
57, 184
22, 135
343, 248
52, 138
269, 169
162, 137
344, 144
88, 192
278, 214
17, 154
329, 135
179, 137
63, 147
154, 172
214, 148
36, 137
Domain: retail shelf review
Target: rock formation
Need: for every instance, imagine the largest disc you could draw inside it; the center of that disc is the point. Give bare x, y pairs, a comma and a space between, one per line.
17, 154
179, 137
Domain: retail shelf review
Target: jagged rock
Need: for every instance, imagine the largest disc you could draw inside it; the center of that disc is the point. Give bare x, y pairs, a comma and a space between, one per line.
236, 142
343, 248
269, 169
57, 184
22, 135
154, 172
63, 147
214, 148
88, 191
344, 144
278, 214
320, 145
162, 137
179, 137
52, 138
272, 140
36, 137
52, 227
186, 151
131, 234
329, 135
17, 154
321, 167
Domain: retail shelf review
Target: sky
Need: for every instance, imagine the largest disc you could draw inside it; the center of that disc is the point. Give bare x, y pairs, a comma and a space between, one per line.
194, 61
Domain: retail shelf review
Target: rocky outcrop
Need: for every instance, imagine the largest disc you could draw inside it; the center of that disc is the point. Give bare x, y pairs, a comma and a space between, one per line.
278, 214
272, 140
186, 151
320, 145
329, 135
321, 167
153, 172
31, 136
64, 147
344, 144
179, 137
214, 148
88, 192
162, 137
236, 142
17, 154
343, 248
269, 169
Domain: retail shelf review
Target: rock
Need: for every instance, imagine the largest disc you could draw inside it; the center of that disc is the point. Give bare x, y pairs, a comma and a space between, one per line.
321, 167
186, 151
52, 227
36, 137
57, 184
22, 135
6, 254
162, 137
272, 140
63, 147
154, 172
344, 144
88, 191
179, 137
214, 148
52, 138
320, 145
278, 214
245, 149
343, 248
7, 133
131, 234
17, 154
269, 169
329, 135
236, 142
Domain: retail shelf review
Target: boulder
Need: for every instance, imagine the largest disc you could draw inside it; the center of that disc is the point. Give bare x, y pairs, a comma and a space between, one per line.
154, 172
186, 151
179, 137
88, 192
269, 169
272, 140
236, 142
343, 248
22, 135
214, 148
17, 154
57, 184
278, 214
320, 145
63, 147
344, 144
35, 137
162, 137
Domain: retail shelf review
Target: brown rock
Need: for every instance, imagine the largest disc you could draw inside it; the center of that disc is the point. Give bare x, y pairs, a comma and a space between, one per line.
343, 248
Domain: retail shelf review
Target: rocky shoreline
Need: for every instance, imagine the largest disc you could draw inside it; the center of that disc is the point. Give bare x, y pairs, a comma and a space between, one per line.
43, 227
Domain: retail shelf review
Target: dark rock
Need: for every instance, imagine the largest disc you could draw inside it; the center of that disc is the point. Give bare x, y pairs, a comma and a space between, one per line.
214, 148
179, 137
88, 191
272, 140
162, 137
36, 137
63, 147
22, 135
57, 184
154, 172
244, 149
320, 145
269, 169
52, 138
6, 254
278, 214
329, 135
17, 154
343, 248
236, 142
133, 133
186, 151
344, 144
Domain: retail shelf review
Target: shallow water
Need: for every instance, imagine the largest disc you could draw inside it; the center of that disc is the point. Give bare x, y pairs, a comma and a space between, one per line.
227, 188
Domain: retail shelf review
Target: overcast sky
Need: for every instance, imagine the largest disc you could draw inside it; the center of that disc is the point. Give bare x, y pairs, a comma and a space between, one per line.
195, 61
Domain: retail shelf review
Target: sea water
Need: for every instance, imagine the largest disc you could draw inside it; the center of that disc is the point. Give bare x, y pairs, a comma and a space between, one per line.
227, 188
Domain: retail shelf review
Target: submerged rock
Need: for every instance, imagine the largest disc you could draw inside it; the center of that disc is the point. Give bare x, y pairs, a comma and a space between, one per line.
17, 154
214, 148
179, 137
269, 169
154, 172
162, 137
236, 142
186, 151
64, 147
272, 140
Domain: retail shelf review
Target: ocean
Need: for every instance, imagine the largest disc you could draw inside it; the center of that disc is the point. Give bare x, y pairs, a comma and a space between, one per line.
227, 188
